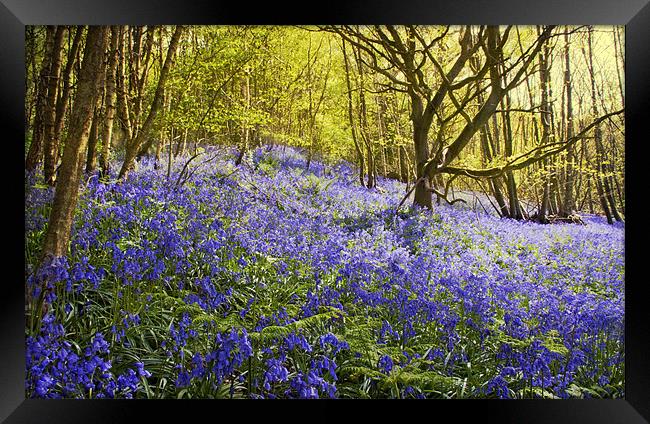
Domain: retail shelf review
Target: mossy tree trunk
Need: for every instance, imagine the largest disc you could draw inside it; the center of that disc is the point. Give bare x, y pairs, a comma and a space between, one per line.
67, 185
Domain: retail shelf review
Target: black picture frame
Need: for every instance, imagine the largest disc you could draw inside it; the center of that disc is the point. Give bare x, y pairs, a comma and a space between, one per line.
15, 14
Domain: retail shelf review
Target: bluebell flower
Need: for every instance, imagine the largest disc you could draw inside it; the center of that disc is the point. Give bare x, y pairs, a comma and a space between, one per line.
385, 364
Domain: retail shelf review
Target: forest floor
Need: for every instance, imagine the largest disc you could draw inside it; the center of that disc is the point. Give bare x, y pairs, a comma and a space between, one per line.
270, 280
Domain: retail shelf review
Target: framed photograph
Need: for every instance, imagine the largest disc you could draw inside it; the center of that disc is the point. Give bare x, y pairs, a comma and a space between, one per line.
377, 201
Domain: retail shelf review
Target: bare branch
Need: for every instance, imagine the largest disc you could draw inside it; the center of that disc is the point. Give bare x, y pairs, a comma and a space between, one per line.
513, 164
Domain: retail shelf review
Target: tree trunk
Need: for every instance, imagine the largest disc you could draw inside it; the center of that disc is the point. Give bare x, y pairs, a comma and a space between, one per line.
494, 183
604, 191
619, 53
50, 149
310, 112
93, 138
351, 118
544, 76
122, 93
141, 69
67, 187
382, 133
423, 195
91, 157
111, 77
134, 145
363, 123
161, 141
30, 83
35, 153
245, 130
159, 146
62, 102
182, 143
515, 210
487, 146
568, 205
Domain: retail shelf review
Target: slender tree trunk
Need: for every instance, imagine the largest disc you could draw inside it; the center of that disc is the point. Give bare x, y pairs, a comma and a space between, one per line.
93, 138
619, 52
603, 199
91, 156
494, 183
245, 130
35, 153
601, 182
142, 56
159, 145
486, 147
609, 187
134, 145
363, 127
382, 133
515, 210
30, 83
182, 144
122, 91
554, 202
403, 164
310, 84
170, 158
161, 141
62, 102
351, 118
111, 77
568, 204
546, 132
50, 149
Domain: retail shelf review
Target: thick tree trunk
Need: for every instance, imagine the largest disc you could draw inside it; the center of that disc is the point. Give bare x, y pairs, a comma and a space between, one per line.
67, 187
423, 195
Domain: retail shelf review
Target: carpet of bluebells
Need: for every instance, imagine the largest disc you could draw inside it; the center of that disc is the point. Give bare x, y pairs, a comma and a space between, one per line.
270, 280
